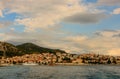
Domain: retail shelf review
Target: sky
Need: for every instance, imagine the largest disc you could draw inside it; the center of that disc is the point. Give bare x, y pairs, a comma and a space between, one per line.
76, 26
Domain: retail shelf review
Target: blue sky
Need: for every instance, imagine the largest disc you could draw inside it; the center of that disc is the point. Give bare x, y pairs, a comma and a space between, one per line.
90, 1
84, 25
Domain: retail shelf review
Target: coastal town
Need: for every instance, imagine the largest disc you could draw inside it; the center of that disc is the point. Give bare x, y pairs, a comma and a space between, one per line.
60, 59
31, 54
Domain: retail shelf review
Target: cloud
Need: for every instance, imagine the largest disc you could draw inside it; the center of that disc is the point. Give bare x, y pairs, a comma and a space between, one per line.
114, 51
108, 2
39, 14
1, 9
116, 11
1, 14
78, 38
5, 36
108, 33
4, 24
85, 18
41, 19
105, 42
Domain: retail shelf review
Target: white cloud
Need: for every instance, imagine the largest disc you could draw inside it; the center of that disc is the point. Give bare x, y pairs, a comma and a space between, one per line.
39, 14
108, 33
44, 14
76, 38
116, 11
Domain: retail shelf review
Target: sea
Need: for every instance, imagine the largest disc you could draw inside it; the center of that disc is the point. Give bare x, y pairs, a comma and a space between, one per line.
60, 72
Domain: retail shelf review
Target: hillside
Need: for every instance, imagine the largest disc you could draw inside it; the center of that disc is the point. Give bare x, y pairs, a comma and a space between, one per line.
32, 48
8, 49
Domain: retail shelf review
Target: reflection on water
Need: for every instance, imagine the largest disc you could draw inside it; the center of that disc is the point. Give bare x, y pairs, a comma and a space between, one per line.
60, 72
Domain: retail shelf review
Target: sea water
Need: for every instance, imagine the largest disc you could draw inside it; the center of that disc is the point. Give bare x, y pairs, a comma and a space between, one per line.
60, 72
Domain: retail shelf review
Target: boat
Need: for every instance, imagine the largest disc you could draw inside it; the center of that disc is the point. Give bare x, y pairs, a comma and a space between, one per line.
29, 64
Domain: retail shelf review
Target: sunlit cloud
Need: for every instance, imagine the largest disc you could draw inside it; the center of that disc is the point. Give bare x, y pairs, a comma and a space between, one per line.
104, 43
43, 14
116, 11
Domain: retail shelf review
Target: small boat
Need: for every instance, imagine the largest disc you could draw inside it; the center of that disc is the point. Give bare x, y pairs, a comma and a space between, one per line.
29, 64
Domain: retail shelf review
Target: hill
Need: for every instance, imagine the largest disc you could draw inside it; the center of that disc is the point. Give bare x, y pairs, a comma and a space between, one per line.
7, 49
30, 48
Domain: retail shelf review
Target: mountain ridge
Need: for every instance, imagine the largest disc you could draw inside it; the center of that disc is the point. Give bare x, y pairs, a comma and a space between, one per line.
31, 47
25, 48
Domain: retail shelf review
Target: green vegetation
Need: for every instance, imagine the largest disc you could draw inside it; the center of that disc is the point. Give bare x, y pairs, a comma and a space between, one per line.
67, 59
109, 61
31, 48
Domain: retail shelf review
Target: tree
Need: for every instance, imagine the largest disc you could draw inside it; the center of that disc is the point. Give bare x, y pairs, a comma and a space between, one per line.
109, 61
67, 59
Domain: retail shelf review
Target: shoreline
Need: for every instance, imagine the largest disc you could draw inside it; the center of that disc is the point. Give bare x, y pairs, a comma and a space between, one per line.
59, 64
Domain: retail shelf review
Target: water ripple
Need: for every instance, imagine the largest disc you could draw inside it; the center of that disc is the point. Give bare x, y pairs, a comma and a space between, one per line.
60, 72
